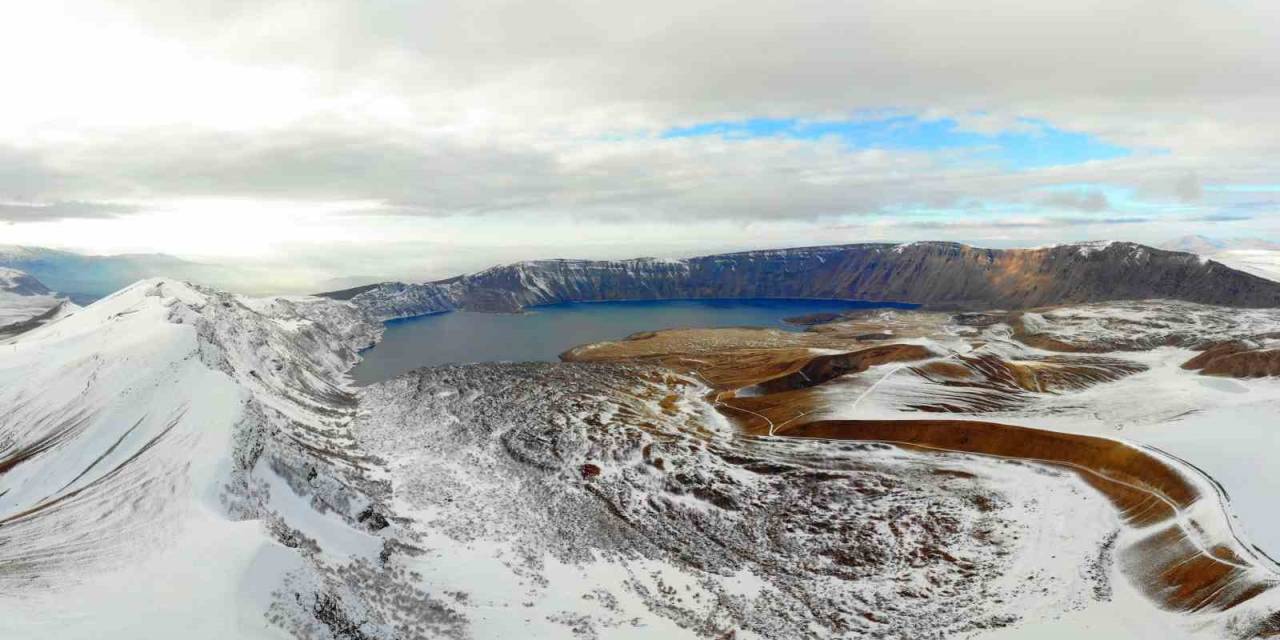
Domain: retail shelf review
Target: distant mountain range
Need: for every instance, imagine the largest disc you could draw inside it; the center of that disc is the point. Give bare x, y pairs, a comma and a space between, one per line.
26, 303
941, 275
85, 278
15, 282
1205, 245
1251, 255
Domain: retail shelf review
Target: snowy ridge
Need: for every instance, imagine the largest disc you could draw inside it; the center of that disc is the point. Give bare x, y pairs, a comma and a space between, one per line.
172, 444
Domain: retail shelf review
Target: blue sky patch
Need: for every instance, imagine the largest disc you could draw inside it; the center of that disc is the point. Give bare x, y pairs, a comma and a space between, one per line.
1035, 144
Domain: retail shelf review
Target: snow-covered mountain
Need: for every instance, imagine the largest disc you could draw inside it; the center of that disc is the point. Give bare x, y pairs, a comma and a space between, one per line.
25, 303
934, 274
172, 459
19, 283
85, 278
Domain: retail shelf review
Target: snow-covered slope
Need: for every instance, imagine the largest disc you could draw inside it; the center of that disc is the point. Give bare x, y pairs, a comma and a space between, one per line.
170, 457
1055, 385
25, 303
180, 462
934, 274
611, 501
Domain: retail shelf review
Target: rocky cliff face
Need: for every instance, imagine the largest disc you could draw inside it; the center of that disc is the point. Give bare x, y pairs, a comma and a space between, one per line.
933, 274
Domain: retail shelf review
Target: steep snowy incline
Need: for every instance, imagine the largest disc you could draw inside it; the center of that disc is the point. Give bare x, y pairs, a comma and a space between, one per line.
176, 462
933, 274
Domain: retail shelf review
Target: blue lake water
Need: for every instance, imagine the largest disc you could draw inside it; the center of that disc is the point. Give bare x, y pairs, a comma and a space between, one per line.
543, 333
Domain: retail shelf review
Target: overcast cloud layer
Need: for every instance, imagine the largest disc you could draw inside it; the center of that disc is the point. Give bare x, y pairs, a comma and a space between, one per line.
412, 140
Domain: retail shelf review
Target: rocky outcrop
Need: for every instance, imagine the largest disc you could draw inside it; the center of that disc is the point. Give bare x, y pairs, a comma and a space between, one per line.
1236, 359
938, 275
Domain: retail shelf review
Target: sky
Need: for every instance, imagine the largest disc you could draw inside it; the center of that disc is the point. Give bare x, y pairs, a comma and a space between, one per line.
373, 139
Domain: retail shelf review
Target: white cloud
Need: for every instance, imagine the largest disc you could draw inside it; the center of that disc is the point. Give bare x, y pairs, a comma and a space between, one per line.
281, 129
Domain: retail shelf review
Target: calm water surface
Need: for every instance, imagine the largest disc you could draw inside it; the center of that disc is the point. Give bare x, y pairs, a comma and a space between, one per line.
543, 333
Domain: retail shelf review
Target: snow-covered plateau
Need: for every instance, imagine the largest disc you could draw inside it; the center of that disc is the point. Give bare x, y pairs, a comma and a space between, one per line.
181, 462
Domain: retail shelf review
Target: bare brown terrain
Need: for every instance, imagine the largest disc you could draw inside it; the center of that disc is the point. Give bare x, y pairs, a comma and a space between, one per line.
1236, 359
1169, 562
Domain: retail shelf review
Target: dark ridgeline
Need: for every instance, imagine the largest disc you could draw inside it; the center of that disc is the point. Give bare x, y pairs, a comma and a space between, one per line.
937, 275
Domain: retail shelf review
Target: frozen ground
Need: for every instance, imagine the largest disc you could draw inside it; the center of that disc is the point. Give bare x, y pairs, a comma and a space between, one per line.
607, 509
1224, 426
1112, 369
180, 462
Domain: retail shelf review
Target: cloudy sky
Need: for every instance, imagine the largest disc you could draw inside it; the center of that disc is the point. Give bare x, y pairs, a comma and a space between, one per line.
410, 139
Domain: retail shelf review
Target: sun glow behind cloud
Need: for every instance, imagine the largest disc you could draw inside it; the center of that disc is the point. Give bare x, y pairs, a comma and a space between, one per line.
400, 139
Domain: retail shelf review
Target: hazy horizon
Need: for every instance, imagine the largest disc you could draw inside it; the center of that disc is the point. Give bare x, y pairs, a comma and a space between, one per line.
248, 276
325, 142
